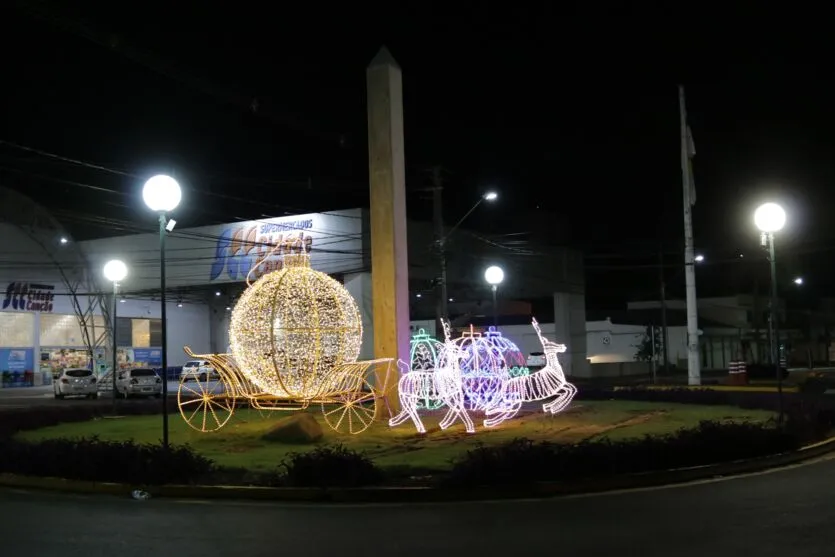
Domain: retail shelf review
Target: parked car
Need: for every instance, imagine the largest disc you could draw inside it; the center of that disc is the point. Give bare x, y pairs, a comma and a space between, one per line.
138, 381
199, 370
75, 382
535, 360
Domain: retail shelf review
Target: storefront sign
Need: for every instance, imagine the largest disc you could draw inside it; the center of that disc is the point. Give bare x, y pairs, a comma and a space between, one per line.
148, 356
29, 296
239, 248
17, 360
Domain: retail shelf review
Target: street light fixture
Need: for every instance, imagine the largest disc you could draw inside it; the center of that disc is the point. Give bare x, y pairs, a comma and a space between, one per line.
494, 275
115, 271
798, 281
162, 194
699, 258
771, 218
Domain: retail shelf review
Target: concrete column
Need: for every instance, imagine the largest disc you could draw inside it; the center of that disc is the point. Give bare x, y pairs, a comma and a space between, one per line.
359, 285
387, 179
570, 329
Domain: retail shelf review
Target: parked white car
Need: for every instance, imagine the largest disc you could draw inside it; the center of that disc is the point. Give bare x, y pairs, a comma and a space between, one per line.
198, 370
535, 360
138, 382
75, 382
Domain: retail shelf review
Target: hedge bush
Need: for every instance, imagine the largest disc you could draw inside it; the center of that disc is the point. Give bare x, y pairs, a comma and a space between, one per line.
330, 466
524, 461
104, 461
14, 421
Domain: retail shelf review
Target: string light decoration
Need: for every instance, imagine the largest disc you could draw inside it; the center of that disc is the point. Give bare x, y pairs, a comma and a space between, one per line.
442, 386
482, 370
295, 335
513, 358
545, 383
292, 327
424, 351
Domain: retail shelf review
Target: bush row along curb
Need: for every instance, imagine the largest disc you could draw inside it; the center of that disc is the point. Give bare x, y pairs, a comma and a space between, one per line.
429, 494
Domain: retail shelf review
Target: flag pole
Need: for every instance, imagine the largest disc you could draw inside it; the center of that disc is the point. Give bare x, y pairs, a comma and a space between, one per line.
694, 376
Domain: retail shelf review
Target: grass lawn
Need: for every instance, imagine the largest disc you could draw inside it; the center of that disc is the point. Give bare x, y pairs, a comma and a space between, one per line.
240, 442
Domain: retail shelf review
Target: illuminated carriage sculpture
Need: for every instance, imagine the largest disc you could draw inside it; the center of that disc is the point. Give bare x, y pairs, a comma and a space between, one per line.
295, 336
500, 396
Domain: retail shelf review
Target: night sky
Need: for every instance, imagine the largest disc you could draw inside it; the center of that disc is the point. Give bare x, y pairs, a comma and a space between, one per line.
573, 117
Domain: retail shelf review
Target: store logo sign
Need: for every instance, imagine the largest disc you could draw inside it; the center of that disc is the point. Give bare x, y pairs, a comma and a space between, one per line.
29, 296
239, 248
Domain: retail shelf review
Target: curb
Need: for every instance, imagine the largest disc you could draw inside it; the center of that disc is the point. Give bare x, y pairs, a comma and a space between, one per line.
430, 494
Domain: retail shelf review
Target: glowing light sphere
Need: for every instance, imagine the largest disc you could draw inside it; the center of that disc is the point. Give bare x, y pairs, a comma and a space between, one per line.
482, 370
513, 359
115, 270
162, 193
292, 327
494, 275
770, 217
425, 353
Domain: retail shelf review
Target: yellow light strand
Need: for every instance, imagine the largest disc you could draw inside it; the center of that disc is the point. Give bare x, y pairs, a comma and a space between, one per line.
293, 327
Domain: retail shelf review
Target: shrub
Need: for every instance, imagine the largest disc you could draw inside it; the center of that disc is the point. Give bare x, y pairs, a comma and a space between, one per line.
523, 461
809, 420
330, 466
104, 461
815, 383
27, 419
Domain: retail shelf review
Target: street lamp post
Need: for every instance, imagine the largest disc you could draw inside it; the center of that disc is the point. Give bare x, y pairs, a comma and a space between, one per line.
162, 194
494, 276
771, 218
115, 271
443, 237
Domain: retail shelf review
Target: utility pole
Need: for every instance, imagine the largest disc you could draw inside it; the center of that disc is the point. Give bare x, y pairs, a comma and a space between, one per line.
757, 313
694, 374
663, 292
440, 246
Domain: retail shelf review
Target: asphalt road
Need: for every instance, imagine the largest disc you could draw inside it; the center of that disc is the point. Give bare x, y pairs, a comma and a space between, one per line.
790, 512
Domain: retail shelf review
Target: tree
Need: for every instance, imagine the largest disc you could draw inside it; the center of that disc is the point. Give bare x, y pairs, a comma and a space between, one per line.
645, 351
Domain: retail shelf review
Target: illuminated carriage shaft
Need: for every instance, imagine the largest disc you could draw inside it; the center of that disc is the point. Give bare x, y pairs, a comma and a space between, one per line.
350, 407
295, 335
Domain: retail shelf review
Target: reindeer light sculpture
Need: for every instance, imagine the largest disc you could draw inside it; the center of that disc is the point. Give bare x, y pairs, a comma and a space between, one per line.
421, 389
540, 385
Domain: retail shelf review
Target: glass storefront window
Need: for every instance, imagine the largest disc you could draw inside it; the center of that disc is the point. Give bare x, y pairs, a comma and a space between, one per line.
17, 330
141, 333
65, 330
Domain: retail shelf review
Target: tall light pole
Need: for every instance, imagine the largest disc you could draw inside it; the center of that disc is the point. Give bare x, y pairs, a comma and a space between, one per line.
494, 275
162, 194
442, 239
115, 271
771, 218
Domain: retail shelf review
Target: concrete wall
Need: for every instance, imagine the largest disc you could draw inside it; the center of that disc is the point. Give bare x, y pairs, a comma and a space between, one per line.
620, 369
611, 343
570, 325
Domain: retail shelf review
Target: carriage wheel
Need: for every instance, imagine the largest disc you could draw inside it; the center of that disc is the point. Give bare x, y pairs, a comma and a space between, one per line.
351, 411
207, 405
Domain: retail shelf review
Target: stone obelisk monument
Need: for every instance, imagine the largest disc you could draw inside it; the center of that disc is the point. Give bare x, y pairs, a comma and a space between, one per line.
387, 177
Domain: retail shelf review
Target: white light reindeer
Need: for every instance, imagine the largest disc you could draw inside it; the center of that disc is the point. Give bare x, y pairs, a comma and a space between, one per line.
539, 385
441, 385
